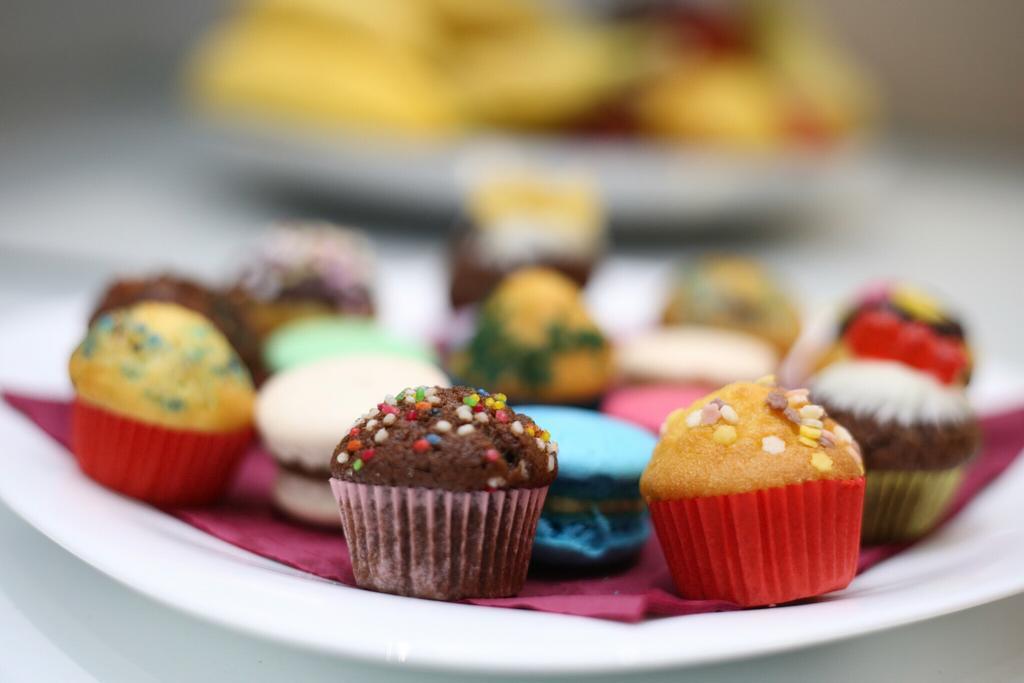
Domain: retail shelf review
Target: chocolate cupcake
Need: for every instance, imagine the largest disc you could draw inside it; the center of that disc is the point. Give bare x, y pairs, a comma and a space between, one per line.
916, 434
214, 306
305, 270
515, 221
440, 491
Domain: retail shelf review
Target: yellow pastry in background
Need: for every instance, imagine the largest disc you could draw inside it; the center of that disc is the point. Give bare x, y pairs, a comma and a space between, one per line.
549, 76
338, 73
442, 67
732, 102
826, 91
469, 16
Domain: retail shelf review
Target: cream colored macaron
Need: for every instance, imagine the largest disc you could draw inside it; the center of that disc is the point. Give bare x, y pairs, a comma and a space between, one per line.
706, 355
301, 415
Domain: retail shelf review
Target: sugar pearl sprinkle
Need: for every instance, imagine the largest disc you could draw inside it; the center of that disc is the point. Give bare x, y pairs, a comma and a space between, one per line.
773, 445
711, 414
478, 409
796, 407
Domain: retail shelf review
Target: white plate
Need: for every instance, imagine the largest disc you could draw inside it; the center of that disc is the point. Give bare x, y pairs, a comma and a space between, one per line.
977, 559
643, 184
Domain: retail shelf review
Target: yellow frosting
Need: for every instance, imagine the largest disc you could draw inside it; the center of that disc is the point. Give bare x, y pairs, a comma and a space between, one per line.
565, 205
750, 446
166, 365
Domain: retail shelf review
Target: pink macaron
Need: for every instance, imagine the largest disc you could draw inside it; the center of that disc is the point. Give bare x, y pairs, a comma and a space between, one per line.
647, 405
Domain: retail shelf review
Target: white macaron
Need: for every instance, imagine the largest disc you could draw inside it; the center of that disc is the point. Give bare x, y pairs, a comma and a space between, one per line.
303, 413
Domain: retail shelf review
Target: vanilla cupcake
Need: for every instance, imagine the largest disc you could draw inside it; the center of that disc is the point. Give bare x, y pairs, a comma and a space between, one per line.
163, 407
756, 496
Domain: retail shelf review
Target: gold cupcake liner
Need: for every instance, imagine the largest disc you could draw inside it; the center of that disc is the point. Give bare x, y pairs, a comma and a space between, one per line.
904, 505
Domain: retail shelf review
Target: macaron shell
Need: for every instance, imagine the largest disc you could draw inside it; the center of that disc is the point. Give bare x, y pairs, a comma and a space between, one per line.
310, 340
592, 444
307, 499
647, 405
694, 354
303, 413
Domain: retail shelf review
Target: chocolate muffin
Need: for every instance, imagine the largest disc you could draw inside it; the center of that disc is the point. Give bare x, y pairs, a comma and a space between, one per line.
440, 491
214, 306
303, 270
916, 435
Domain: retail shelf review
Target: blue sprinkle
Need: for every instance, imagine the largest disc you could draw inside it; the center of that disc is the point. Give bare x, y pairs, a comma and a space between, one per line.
174, 404
435, 411
88, 346
433, 439
106, 322
483, 392
154, 341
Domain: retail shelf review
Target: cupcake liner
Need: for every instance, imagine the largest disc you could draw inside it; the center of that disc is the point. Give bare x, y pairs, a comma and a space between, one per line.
437, 544
901, 505
764, 547
152, 463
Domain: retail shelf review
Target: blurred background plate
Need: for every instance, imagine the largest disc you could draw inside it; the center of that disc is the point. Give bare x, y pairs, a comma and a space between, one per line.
645, 186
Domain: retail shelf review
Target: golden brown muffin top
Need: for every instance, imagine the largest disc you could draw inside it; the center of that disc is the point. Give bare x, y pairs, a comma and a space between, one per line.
163, 364
744, 437
536, 342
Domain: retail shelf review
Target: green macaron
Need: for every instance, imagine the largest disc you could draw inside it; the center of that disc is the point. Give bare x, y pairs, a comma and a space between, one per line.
313, 339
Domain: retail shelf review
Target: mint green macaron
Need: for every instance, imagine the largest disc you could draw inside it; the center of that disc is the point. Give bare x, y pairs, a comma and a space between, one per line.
312, 339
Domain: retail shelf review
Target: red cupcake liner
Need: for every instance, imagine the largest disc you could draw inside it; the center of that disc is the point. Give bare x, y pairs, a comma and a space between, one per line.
764, 547
155, 464
442, 545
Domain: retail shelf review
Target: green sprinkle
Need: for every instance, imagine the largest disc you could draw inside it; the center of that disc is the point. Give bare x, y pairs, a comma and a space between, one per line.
421, 393
471, 400
357, 465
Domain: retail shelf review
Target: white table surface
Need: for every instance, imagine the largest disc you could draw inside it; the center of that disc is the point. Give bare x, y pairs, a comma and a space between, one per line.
82, 200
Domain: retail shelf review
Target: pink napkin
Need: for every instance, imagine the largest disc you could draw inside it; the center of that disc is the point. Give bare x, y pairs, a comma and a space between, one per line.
245, 519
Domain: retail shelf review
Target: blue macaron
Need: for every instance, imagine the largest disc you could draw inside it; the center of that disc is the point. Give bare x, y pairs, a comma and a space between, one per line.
593, 514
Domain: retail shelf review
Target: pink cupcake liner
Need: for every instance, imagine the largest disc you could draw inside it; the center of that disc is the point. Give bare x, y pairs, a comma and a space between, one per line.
437, 544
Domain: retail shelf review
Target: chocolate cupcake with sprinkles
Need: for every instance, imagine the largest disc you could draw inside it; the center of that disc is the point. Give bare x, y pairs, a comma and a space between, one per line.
440, 490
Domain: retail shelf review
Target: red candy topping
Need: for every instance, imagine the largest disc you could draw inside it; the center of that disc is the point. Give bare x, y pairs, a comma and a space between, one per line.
884, 334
